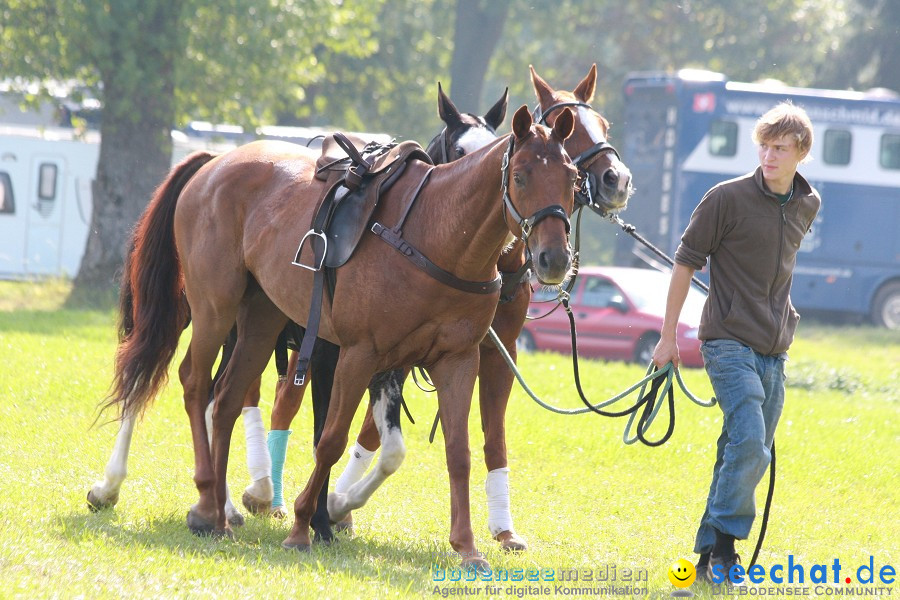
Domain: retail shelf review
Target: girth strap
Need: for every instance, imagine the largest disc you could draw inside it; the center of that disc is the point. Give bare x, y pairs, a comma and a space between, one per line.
394, 237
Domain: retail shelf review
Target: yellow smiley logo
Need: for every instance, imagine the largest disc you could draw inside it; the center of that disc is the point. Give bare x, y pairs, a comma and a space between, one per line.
682, 573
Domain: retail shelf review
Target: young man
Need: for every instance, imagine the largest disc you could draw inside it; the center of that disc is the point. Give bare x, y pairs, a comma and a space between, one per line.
750, 228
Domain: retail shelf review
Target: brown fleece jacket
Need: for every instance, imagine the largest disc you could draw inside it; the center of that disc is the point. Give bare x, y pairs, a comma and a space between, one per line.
752, 242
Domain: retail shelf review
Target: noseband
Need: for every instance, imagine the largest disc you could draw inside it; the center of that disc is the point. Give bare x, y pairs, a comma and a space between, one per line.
584, 194
526, 224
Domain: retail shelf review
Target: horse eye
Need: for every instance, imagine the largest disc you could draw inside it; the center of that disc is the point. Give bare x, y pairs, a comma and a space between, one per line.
460, 151
517, 178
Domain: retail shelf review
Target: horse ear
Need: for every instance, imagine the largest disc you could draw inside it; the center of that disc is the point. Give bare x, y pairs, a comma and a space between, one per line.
542, 89
494, 117
564, 124
585, 90
522, 122
446, 109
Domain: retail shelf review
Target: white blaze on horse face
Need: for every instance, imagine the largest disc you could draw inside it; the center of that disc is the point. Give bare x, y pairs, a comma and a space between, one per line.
595, 132
475, 139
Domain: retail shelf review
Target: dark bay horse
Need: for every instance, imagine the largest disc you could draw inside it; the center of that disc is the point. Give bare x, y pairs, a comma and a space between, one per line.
605, 188
462, 134
222, 232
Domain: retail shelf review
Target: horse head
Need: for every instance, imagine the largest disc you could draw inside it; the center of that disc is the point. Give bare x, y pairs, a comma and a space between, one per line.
605, 180
539, 180
464, 132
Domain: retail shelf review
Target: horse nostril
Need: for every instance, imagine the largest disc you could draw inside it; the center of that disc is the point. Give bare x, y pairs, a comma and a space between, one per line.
542, 260
610, 178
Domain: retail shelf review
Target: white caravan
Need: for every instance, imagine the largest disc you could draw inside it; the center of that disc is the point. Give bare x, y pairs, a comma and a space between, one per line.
45, 200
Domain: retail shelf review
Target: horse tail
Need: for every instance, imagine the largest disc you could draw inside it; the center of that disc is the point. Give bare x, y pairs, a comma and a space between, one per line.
152, 308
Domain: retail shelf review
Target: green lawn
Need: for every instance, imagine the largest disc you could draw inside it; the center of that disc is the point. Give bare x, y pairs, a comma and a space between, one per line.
581, 498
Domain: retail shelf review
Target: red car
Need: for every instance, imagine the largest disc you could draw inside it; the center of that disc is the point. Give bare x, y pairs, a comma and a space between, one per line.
618, 316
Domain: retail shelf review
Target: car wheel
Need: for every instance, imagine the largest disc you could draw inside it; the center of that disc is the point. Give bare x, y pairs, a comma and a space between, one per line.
525, 342
886, 306
643, 353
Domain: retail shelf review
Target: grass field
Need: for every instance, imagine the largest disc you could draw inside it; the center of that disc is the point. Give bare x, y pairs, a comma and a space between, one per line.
581, 498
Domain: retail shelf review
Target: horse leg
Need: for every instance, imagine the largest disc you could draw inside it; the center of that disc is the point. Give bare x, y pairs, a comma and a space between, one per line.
353, 372
259, 323
359, 458
235, 518
106, 493
495, 383
257, 497
324, 360
194, 374
386, 396
288, 398
454, 378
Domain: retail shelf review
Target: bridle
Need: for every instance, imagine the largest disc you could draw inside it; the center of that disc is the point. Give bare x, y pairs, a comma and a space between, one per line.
526, 225
584, 193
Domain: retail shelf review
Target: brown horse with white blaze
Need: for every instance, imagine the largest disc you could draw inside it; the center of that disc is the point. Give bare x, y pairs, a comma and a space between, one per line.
224, 230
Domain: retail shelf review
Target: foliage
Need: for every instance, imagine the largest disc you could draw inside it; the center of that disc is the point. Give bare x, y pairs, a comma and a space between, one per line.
373, 65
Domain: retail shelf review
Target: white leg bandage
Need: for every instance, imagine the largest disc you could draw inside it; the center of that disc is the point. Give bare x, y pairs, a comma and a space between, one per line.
259, 464
496, 486
360, 459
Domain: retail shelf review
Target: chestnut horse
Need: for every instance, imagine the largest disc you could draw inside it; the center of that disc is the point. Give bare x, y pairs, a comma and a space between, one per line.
222, 230
463, 133
605, 188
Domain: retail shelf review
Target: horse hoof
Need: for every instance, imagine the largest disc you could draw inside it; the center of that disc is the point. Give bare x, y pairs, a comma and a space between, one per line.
345, 527
511, 542
278, 512
256, 506
222, 534
337, 507
478, 564
326, 538
198, 525
95, 504
235, 519
298, 547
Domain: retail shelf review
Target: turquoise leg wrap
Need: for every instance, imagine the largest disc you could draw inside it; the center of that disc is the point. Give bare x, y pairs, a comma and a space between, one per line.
277, 442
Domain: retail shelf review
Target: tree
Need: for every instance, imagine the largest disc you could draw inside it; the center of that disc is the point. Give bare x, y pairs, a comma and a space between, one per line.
478, 28
870, 56
154, 62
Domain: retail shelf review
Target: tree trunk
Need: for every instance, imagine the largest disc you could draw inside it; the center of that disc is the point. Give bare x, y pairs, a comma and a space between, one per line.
479, 24
135, 147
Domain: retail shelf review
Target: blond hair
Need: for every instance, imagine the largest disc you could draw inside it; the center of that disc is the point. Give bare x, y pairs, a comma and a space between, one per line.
785, 119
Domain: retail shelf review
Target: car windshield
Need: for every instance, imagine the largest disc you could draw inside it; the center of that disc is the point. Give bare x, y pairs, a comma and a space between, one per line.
648, 291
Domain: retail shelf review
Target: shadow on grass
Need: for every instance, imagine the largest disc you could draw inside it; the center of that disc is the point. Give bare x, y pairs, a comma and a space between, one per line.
257, 543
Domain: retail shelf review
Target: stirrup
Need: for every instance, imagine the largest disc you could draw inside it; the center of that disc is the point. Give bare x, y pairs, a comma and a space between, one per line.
296, 262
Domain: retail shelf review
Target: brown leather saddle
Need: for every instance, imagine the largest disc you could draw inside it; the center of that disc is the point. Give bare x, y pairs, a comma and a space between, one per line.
358, 173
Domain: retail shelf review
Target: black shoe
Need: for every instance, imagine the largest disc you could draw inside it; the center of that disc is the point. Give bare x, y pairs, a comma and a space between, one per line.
723, 565
702, 571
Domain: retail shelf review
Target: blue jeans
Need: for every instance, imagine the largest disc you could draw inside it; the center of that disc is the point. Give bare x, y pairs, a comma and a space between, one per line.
749, 388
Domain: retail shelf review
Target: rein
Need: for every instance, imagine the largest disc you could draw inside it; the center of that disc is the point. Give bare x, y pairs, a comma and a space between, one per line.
584, 194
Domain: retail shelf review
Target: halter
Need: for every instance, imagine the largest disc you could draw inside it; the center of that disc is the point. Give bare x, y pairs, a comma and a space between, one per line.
584, 194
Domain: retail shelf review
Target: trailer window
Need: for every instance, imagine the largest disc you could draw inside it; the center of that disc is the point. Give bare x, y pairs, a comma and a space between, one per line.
47, 182
890, 151
837, 147
723, 138
7, 202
